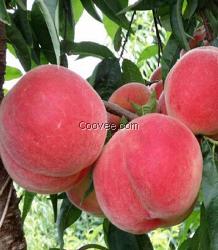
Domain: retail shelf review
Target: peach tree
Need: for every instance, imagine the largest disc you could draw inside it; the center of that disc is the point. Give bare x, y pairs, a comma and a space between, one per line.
162, 175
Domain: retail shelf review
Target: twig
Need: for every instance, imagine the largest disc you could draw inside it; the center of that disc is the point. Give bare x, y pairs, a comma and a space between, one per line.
4, 185
6, 206
89, 246
160, 46
117, 110
127, 35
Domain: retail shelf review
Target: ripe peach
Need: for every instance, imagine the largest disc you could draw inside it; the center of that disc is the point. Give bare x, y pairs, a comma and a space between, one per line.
150, 177
156, 75
162, 105
76, 196
126, 95
191, 90
40, 123
158, 87
39, 183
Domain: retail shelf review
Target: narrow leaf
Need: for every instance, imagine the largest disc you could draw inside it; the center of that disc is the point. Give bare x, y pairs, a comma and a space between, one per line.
50, 12
120, 240
88, 49
120, 20
90, 8
148, 52
68, 214
210, 191
131, 72
4, 17
177, 24
21, 48
12, 73
28, 199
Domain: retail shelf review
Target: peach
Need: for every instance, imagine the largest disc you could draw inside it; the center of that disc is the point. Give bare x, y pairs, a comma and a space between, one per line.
158, 87
191, 90
156, 75
40, 127
88, 204
126, 95
39, 183
162, 104
150, 177
198, 37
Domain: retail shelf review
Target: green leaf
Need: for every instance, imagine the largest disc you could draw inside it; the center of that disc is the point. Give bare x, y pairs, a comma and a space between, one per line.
77, 9
120, 240
170, 55
90, 8
22, 22
210, 191
54, 201
21, 4
121, 20
106, 77
28, 199
191, 8
88, 49
177, 24
68, 214
22, 50
149, 107
42, 41
93, 246
118, 39
110, 26
148, 52
200, 240
147, 5
50, 12
66, 20
4, 17
12, 73
131, 72
172, 50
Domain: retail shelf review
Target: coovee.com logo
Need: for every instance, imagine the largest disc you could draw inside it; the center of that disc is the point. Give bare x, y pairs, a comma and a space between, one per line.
108, 126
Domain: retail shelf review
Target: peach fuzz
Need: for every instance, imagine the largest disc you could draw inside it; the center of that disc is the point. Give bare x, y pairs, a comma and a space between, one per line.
158, 87
150, 177
191, 91
88, 204
162, 104
126, 95
156, 75
39, 122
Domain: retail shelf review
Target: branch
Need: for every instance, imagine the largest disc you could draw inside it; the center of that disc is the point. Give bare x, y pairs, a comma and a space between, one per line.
127, 35
119, 111
2, 189
6, 206
160, 46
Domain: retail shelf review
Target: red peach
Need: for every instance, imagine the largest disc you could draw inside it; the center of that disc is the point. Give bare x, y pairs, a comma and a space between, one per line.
162, 105
150, 177
76, 195
158, 87
156, 75
126, 95
198, 37
39, 183
40, 124
191, 90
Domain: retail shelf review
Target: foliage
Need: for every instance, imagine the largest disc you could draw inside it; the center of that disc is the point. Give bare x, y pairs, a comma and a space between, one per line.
157, 33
